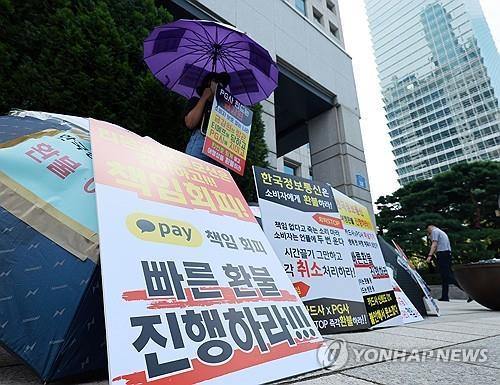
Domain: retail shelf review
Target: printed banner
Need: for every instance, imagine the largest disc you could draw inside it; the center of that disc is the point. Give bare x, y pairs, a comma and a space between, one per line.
42, 175
409, 312
62, 164
371, 271
193, 291
302, 223
228, 131
431, 306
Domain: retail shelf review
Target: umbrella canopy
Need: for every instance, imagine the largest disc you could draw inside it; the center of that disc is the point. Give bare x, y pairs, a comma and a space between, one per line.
51, 310
182, 53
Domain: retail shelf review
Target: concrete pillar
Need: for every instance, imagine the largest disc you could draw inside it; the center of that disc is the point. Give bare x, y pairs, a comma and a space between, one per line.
337, 153
268, 116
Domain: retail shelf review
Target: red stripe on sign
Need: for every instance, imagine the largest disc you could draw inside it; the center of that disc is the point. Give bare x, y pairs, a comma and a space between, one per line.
228, 297
135, 295
380, 276
363, 265
327, 220
239, 361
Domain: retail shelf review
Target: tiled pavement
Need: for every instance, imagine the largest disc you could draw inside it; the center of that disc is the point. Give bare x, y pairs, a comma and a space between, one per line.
461, 326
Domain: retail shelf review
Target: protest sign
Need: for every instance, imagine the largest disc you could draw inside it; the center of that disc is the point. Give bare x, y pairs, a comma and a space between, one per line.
402, 276
409, 313
431, 306
371, 271
41, 176
301, 220
228, 131
193, 291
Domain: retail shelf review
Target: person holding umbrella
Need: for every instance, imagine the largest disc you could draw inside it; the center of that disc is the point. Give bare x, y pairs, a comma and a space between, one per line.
197, 113
190, 57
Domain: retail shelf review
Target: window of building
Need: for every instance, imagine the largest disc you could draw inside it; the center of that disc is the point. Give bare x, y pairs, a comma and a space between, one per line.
290, 168
335, 31
301, 6
318, 16
331, 6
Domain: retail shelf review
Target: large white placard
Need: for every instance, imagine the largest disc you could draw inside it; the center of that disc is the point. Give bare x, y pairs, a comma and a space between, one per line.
301, 220
193, 291
371, 270
408, 311
431, 306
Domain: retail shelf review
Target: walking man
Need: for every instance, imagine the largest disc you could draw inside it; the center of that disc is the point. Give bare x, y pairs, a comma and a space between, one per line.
441, 247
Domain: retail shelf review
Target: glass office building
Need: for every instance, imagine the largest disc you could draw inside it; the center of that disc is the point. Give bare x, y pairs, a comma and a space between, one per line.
439, 71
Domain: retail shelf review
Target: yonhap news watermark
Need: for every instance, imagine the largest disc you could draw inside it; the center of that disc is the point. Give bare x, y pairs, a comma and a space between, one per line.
336, 354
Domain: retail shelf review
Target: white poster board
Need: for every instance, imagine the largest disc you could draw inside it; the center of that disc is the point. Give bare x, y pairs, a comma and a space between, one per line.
193, 291
301, 220
371, 270
228, 131
408, 311
431, 306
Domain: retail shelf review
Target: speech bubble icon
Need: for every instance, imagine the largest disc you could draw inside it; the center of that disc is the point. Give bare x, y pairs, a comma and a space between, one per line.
145, 226
152, 228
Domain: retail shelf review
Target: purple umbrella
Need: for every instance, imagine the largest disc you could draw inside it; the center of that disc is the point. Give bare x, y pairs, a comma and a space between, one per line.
182, 53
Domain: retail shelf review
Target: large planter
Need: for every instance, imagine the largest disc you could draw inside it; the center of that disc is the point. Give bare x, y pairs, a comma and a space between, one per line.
481, 281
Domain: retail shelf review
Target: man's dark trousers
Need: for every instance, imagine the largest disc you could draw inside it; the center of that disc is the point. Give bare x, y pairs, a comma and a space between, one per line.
447, 277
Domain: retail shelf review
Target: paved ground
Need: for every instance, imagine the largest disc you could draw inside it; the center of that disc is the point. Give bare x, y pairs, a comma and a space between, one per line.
464, 328
454, 293
461, 326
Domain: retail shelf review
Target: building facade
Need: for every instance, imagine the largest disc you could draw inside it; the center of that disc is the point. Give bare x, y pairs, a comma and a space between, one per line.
439, 72
312, 119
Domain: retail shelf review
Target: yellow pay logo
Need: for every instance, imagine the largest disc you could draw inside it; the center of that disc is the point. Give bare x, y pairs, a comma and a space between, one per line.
163, 230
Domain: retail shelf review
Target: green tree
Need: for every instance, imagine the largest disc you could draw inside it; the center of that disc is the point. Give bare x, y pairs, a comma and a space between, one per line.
461, 201
85, 58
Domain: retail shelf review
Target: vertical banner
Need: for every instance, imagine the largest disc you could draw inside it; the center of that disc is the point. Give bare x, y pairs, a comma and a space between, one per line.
193, 291
431, 306
408, 312
228, 131
302, 223
371, 271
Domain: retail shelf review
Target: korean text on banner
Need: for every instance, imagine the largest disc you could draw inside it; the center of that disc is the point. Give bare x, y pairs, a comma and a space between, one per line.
431, 306
192, 288
371, 270
228, 131
302, 222
408, 311
41, 175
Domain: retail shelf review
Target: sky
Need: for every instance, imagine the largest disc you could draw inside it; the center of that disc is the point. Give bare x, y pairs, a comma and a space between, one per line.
378, 151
